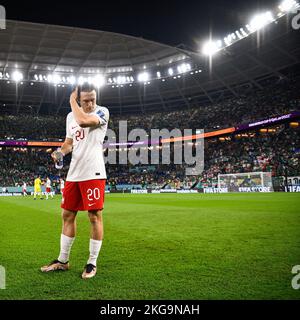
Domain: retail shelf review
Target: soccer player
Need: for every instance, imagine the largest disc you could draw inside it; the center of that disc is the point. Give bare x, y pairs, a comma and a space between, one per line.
37, 188
24, 189
62, 186
48, 188
85, 183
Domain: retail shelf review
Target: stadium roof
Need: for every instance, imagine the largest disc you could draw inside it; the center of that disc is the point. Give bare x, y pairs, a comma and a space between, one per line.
38, 49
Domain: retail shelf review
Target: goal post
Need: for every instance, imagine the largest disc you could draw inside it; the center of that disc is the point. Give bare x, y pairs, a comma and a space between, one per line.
246, 182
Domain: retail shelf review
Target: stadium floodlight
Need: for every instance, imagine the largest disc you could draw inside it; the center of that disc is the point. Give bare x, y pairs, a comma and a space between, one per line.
244, 33
211, 47
259, 21
56, 79
288, 5
36, 77
7, 75
1, 75
143, 77
239, 35
98, 81
184, 67
81, 80
121, 79
17, 76
71, 80
170, 71
89, 80
228, 40
158, 74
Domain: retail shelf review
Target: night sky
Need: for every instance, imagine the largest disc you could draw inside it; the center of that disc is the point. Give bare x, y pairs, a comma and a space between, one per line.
170, 22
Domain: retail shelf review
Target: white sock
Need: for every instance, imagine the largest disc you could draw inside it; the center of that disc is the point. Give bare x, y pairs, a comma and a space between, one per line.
65, 248
95, 246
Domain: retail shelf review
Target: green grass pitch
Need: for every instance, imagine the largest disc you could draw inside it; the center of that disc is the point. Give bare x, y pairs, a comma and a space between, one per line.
229, 246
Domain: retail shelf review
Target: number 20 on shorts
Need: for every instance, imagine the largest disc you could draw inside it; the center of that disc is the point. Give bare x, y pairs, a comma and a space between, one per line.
93, 194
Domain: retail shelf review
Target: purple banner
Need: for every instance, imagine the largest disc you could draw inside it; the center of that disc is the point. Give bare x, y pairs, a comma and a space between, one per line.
13, 143
131, 144
269, 121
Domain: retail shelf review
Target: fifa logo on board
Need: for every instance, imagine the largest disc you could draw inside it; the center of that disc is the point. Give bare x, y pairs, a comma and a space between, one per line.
2, 277
2, 17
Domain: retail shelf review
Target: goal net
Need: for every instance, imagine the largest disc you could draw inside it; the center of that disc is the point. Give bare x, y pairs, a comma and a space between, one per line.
246, 182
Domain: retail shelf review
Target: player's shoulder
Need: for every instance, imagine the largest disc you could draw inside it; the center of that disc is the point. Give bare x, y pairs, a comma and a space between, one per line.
102, 112
70, 115
103, 109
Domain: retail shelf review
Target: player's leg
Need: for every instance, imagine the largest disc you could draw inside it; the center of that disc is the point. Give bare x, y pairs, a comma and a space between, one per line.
68, 234
67, 238
93, 197
47, 195
96, 220
71, 203
96, 238
40, 194
69, 222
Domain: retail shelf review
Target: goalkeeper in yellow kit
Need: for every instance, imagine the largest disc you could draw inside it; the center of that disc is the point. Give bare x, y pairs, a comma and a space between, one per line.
37, 188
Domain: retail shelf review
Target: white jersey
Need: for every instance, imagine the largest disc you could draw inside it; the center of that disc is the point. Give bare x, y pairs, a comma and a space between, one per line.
87, 156
24, 186
48, 183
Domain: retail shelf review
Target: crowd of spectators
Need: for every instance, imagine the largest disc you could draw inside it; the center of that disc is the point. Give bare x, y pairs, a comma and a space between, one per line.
254, 104
276, 151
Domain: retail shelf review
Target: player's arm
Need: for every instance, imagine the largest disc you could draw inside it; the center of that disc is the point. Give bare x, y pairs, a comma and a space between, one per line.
66, 148
84, 120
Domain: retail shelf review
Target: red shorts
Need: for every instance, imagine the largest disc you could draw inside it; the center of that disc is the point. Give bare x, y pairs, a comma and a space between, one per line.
83, 195
48, 190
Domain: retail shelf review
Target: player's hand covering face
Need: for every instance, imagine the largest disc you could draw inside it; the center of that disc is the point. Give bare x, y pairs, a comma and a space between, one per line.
87, 100
74, 95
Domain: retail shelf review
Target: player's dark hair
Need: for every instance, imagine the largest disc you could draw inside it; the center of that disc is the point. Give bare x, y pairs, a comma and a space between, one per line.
86, 87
